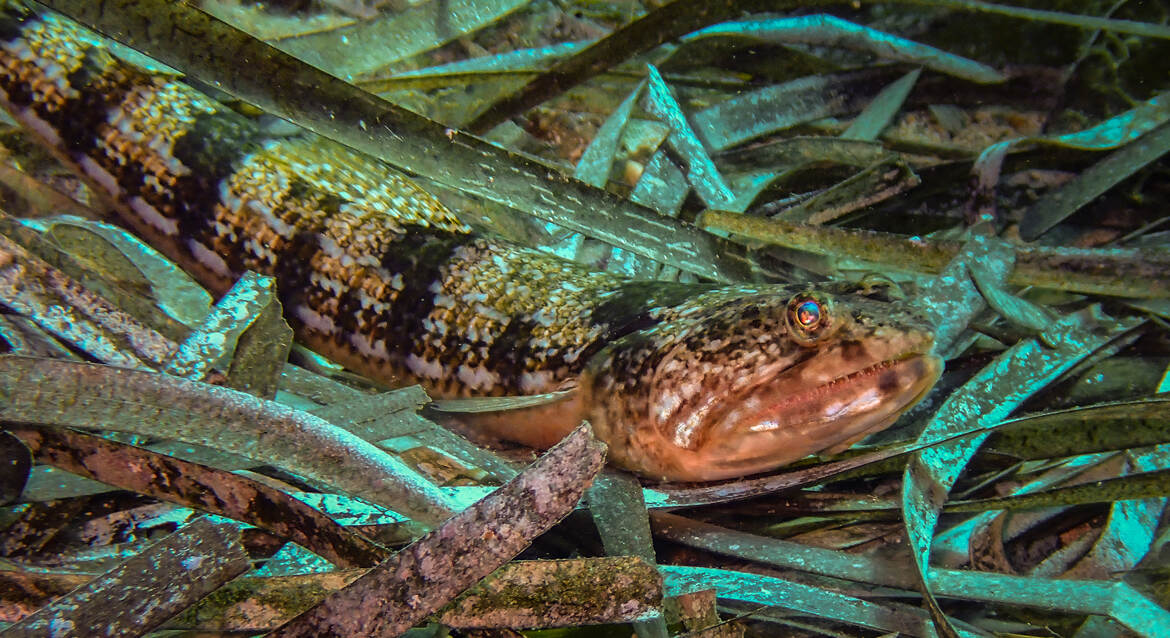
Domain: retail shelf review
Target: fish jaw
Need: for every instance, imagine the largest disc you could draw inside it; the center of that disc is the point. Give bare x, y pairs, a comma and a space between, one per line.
777, 425
672, 407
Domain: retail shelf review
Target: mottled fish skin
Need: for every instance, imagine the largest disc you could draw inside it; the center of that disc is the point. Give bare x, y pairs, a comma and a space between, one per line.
378, 275
728, 383
372, 270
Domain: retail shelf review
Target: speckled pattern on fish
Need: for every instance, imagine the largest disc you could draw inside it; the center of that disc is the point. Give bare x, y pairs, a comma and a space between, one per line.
377, 274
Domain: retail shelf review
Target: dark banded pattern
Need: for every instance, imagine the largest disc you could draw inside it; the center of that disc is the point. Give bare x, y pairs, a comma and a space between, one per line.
685, 382
350, 241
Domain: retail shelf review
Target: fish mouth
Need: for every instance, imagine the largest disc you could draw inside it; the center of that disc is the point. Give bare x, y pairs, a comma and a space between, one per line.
782, 420
867, 382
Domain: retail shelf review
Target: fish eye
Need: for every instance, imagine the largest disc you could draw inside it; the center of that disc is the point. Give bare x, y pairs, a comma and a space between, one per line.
807, 314
809, 318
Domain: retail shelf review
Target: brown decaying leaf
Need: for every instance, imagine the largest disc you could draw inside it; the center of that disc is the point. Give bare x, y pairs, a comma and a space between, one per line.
698, 616
144, 591
37, 526
421, 578
24, 592
201, 487
65, 308
559, 593
521, 594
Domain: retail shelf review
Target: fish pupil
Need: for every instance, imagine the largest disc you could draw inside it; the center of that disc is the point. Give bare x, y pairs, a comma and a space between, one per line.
808, 314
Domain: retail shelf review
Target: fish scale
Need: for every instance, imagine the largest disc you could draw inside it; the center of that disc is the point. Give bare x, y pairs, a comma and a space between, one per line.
377, 274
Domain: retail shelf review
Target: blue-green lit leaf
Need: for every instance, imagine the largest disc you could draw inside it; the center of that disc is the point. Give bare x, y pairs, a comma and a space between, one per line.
1059, 203
216, 337
747, 188
1108, 598
393, 415
108, 398
827, 30
803, 599
511, 61
954, 546
1112, 599
1015, 310
679, 17
701, 171
784, 554
615, 501
23, 337
125, 260
986, 399
291, 560
596, 162
662, 186
1107, 135
1125, 540
491, 74
951, 300
774, 108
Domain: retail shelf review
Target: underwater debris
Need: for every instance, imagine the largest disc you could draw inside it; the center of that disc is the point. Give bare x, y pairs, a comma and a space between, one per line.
87, 395
430, 572
144, 591
791, 166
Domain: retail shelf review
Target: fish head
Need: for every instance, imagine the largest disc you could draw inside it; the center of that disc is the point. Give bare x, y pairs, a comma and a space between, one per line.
743, 380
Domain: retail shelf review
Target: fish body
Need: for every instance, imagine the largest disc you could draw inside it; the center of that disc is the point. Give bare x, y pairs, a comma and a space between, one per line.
684, 382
